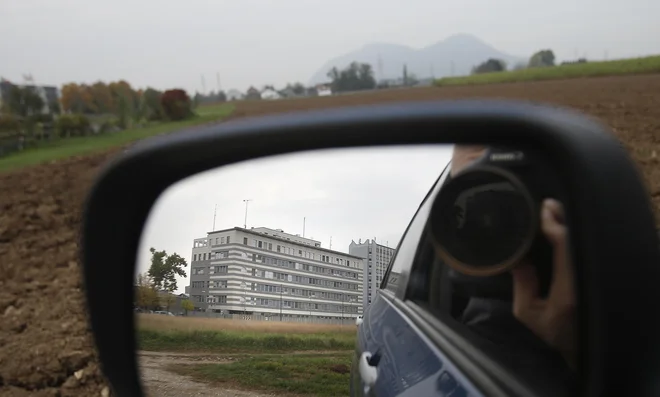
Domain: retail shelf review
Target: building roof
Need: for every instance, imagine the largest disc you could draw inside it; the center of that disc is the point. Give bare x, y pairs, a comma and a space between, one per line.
249, 231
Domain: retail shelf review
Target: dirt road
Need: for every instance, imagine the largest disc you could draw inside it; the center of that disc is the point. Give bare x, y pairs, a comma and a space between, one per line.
162, 383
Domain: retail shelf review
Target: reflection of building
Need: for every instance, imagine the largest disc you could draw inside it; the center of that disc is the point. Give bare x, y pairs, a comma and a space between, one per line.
270, 273
377, 257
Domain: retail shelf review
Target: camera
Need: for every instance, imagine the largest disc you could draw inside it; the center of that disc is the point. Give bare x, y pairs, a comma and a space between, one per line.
486, 220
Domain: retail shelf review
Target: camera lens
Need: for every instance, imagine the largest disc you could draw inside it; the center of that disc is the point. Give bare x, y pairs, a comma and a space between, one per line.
482, 221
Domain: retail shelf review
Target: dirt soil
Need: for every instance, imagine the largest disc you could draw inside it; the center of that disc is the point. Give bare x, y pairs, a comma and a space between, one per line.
159, 382
45, 345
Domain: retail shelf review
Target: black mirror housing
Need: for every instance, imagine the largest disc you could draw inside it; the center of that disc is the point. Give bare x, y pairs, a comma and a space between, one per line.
611, 221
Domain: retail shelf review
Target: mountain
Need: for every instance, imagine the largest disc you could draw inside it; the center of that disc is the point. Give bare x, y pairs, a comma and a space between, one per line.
456, 55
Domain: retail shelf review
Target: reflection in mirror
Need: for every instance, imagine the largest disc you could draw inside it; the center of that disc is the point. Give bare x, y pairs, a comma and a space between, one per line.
265, 275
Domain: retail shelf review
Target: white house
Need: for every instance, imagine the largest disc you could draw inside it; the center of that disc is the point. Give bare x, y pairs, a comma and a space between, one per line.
234, 95
269, 93
324, 90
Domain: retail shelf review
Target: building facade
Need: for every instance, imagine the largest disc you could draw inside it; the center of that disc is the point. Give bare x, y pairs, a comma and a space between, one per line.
376, 259
273, 274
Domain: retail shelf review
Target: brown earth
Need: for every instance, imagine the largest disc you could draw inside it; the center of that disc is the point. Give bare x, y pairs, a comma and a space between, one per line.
44, 337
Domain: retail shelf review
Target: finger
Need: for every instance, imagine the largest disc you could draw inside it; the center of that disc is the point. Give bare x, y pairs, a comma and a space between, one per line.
525, 288
552, 217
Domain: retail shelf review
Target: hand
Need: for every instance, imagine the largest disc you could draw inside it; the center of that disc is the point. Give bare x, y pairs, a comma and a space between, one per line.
553, 318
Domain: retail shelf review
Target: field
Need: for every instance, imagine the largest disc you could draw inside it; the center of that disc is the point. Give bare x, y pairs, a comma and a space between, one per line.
44, 338
248, 356
64, 148
644, 65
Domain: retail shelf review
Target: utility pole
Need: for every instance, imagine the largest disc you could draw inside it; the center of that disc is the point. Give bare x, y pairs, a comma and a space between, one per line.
280, 302
215, 210
330, 242
304, 219
246, 201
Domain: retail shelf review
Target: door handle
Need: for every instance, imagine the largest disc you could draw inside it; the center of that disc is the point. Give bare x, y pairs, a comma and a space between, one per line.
368, 371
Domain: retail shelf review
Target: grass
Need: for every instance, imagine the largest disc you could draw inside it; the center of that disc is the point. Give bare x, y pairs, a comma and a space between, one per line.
643, 65
161, 333
63, 148
322, 376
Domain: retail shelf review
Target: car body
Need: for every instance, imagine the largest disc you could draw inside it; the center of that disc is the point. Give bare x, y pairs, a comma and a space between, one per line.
409, 362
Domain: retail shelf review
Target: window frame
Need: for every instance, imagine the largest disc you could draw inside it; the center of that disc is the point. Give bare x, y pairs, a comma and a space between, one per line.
402, 288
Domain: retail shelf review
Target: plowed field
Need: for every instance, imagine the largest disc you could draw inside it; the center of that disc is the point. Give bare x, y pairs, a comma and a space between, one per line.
45, 346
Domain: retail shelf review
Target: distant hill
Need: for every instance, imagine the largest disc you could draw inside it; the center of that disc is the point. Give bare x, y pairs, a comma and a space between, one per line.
463, 50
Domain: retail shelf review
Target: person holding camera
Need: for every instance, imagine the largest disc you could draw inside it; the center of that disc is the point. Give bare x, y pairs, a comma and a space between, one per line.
531, 328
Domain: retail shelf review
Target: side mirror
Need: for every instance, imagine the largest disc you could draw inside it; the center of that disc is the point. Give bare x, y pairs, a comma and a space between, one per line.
613, 244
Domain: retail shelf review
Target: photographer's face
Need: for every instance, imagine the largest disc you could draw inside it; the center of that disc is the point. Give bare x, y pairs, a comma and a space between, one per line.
463, 156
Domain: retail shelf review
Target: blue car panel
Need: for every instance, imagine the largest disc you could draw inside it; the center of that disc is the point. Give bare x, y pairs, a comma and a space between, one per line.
409, 365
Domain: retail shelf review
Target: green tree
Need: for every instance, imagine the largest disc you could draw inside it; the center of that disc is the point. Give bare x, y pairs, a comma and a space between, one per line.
164, 269
187, 306
24, 101
154, 110
355, 77
491, 65
542, 58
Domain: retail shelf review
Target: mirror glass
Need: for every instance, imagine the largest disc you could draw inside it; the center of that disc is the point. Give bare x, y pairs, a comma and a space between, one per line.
275, 275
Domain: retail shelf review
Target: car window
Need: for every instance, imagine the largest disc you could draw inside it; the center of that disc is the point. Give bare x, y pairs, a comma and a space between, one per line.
401, 263
477, 313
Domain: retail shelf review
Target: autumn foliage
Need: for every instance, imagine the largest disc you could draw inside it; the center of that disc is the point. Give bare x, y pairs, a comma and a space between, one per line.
176, 104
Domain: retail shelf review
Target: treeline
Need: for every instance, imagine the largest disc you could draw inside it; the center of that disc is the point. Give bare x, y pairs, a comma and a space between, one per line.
540, 59
30, 114
355, 77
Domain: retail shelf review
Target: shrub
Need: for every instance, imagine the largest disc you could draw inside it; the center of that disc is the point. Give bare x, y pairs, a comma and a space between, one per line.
9, 123
69, 125
176, 104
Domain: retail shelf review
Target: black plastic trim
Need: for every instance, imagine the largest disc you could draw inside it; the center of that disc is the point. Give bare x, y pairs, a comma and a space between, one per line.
618, 291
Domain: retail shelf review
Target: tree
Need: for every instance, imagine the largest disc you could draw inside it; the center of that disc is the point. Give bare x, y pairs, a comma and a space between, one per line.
154, 110
146, 296
167, 300
542, 58
164, 269
187, 306
24, 101
71, 98
355, 77
491, 65
176, 104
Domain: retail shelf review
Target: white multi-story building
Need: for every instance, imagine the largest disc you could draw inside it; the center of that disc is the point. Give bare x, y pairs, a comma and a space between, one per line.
376, 259
270, 273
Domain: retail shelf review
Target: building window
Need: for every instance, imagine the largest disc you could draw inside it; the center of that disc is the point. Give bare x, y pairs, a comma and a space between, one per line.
228, 237
194, 257
222, 240
270, 246
259, 244
245, 240
279, 248
205, 256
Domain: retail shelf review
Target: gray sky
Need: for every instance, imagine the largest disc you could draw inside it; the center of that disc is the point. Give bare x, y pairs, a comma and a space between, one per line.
166, 43
346, 194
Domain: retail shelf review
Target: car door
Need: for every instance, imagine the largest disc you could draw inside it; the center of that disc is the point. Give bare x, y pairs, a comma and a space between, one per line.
403, 361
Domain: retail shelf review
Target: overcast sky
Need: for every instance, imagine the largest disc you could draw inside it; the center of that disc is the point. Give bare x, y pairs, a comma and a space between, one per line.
346, 194
166, 43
